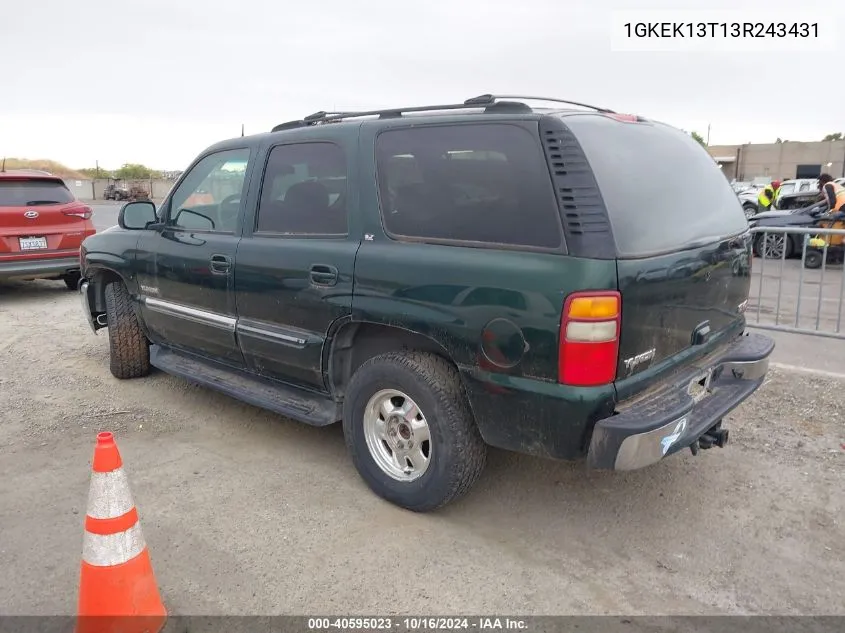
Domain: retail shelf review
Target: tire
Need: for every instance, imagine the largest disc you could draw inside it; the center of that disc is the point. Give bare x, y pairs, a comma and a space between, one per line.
813, 259
456, 452
129, 352
750, 210
785, 241
72, 281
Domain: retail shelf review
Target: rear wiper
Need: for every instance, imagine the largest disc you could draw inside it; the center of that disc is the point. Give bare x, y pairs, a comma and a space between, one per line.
33, 203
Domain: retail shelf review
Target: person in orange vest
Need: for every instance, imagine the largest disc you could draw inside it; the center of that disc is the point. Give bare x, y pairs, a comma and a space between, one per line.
832, 192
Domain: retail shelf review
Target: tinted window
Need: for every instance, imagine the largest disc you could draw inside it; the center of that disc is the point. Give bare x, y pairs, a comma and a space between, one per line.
30, 193
474, 183
661, 188
787, 188
209, 198
304, 190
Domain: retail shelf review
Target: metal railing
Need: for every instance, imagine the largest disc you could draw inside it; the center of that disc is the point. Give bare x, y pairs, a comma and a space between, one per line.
814, 269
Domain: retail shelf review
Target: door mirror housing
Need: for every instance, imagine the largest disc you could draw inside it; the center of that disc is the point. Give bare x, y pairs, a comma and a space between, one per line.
137, 216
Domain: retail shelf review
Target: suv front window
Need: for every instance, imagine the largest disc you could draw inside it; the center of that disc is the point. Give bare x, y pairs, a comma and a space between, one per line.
209, 198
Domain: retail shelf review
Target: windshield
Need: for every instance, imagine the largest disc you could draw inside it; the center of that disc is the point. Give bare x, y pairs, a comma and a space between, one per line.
30, 193
662, 190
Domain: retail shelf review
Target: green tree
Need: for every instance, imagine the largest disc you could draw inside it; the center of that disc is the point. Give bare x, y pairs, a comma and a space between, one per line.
135, 171
833, 137
94, 172
698, 138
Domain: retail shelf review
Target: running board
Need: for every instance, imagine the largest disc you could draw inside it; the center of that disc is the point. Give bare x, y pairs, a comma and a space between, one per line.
302, 406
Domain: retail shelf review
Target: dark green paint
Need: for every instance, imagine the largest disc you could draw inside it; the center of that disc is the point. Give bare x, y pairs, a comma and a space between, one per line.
447, 294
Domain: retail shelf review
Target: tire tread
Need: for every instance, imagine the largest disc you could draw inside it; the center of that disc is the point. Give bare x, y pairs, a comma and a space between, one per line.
129, 352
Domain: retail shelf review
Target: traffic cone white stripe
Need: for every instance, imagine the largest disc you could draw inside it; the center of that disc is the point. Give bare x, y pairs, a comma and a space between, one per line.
109, 496
105, 550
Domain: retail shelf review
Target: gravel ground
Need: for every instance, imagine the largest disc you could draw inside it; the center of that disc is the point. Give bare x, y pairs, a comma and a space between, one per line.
248, 513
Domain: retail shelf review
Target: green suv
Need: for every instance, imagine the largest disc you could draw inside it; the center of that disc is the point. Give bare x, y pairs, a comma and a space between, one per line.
561, 281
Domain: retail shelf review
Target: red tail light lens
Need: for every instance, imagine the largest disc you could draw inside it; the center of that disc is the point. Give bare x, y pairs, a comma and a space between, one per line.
80, 212
589, 338
625, 118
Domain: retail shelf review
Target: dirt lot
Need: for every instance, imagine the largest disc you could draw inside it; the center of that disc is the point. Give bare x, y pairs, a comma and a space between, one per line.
245, 512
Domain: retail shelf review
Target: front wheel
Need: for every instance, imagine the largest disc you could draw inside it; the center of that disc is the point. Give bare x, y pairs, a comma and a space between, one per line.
129, 352
410, 431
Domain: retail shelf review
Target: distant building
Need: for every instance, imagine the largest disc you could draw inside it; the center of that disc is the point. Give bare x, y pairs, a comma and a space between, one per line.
790, 159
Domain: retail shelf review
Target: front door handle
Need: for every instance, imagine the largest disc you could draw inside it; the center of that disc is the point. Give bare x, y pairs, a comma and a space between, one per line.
323, 275
220, 264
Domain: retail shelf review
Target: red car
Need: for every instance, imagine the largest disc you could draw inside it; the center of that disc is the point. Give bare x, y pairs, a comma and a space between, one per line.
42, 226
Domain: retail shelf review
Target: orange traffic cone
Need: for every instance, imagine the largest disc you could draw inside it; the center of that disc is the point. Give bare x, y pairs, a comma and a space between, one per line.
117, 587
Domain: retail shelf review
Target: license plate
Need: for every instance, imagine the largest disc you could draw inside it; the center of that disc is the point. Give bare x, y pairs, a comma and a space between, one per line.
33, 243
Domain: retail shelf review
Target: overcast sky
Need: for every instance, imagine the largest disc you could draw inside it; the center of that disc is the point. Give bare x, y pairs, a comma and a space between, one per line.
157, 81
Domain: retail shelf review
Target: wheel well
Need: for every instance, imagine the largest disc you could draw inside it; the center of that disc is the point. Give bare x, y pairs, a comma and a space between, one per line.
356, 343
102, 278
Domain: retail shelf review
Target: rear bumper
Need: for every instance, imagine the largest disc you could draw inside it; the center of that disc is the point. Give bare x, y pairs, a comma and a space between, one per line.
38, 268
645, 431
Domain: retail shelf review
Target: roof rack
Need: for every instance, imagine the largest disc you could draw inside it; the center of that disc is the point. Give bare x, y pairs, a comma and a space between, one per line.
490, 103
491, 99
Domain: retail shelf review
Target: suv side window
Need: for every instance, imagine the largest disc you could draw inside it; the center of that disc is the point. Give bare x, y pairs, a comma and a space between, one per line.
209, 197
304, 191
485, 183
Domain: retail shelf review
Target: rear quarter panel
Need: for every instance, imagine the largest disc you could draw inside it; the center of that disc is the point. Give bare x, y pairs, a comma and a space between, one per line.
496, 313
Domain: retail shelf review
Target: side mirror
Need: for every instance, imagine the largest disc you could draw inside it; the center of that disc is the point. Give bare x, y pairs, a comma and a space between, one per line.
137, 216
190, 219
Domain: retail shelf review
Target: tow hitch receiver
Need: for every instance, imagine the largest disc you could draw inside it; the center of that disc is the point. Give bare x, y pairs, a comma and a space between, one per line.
715, 436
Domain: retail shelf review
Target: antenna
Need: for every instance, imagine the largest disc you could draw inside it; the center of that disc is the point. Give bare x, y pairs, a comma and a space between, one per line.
242, 129
3, 168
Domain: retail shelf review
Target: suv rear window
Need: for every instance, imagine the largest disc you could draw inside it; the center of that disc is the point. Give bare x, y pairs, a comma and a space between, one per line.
30, 193
662, 190
485, 183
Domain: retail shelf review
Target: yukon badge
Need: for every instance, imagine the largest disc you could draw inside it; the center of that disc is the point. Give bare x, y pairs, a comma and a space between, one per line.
635, 361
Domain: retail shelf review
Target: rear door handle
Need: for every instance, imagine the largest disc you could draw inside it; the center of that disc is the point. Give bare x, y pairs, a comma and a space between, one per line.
323, 275
220, 264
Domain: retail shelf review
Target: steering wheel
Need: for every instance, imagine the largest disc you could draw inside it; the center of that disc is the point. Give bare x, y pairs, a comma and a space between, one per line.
228, 210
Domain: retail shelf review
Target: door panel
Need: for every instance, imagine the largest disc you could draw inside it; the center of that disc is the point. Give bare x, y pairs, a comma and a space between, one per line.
294, 273
189, 304
284, 309
186, 281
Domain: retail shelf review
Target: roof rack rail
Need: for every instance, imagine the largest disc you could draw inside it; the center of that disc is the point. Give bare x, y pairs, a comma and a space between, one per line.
490, 99
491, 103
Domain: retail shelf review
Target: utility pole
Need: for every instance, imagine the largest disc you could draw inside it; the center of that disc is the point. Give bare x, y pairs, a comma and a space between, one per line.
97, 168
708, 135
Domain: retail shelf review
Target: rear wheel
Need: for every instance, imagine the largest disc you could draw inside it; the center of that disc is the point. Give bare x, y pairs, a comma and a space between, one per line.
750, 210
129, 352
410, 431
772, 244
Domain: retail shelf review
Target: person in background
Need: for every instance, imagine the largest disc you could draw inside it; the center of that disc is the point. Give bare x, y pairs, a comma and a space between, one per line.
832, 192
767, 195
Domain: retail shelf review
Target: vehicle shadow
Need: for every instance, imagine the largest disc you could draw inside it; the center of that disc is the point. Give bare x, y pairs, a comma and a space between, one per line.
12, 292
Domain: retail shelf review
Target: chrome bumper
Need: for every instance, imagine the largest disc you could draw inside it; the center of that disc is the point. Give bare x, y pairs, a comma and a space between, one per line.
677, 417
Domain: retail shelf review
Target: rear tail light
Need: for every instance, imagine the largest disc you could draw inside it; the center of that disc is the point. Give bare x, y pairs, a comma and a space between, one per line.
625, 118
80, 212
589, 338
